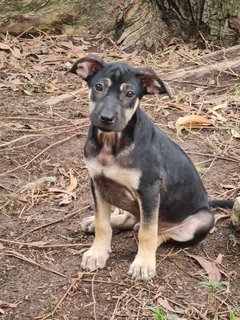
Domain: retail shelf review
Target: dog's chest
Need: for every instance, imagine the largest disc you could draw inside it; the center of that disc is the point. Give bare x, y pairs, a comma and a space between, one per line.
110, 167
111, 173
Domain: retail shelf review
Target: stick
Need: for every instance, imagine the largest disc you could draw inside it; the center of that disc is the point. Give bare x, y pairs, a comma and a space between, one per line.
50, 314
20, 256
43, 246
200, 72
26, 164
53, 222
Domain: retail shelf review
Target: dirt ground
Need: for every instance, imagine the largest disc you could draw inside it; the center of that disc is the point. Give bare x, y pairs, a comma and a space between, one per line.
44, 191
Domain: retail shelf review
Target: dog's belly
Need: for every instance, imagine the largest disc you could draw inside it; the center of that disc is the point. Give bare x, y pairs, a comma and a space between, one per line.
118, 195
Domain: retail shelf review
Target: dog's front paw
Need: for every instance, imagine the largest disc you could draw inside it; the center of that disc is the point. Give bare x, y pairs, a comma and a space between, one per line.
142, 269
88, 224
94, 258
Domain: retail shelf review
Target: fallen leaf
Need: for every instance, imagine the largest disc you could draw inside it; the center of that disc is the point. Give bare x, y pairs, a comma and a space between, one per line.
16, 53
228, 186
219, 259
235, 133
67, 194
210, 267
4, 46
38, 182
220, 106
218, 115
73, 181
165, 304
192, 121
220, 216
63, 97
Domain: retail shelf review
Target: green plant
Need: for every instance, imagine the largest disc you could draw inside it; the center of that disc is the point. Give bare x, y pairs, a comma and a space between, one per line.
236, 89
158, 313
212, 283
233, 313
232, 239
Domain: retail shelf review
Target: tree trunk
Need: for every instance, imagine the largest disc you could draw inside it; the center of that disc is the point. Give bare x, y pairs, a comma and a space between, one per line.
215, 21
140, 24
57, 16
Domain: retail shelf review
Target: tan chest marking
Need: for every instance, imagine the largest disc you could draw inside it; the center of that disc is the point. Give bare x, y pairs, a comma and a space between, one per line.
128, 178
105, 164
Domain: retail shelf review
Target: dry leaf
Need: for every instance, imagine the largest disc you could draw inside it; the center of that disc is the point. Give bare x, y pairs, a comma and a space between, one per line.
69, 194
164, 303
37, 183
192, 121
218, 115
235, 133
4, 46
228, 186
219, 259
73, 181
220, 216
16, 53
220, 106
210, 267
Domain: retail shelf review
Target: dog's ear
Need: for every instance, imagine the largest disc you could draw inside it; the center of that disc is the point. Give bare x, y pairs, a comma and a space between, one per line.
151, 83
87, 66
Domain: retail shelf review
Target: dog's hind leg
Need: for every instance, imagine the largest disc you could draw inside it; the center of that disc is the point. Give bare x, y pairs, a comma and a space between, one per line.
120, 221
190, 231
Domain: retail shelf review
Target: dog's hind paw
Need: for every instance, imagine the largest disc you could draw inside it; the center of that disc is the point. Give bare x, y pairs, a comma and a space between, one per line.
94, 258
142, 270
88, 224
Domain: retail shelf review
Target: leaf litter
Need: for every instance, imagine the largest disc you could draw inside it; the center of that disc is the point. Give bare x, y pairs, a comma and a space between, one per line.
49, 178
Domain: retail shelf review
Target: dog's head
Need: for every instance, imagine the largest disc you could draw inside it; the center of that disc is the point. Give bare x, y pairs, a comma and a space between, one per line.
115, 90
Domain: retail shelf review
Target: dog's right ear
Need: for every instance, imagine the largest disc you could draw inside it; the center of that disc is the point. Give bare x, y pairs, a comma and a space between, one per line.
87, 67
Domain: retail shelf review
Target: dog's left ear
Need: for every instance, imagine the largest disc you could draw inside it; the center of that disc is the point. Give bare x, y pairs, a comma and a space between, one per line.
87, 66
151, 83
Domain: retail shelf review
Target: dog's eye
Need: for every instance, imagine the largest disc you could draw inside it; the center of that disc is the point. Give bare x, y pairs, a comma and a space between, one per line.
99, 87
129, 94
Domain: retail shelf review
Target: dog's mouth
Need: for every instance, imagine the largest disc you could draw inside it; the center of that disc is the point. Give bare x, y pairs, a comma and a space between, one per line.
104, 129
117, 126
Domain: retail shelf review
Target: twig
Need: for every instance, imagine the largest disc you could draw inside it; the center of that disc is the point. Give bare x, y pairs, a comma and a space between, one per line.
55, 221
20, 256
93, 297
26, 164
4, 144
213, 156
50, 314
43, 246
107, 282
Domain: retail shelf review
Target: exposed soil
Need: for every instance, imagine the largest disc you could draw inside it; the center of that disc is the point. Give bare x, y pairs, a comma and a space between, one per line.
41, 242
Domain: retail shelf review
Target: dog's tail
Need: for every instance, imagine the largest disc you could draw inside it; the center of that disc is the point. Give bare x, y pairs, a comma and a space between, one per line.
228, 204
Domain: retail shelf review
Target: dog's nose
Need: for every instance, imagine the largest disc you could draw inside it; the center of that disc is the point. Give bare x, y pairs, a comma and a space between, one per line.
107, 119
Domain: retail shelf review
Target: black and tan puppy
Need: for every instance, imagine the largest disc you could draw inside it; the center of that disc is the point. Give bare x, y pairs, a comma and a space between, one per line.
135, 167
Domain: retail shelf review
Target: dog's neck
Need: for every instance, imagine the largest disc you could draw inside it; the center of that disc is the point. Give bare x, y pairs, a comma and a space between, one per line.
117, 144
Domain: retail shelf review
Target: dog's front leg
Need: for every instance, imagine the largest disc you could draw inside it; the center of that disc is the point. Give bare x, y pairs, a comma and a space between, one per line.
144, 264
96, 257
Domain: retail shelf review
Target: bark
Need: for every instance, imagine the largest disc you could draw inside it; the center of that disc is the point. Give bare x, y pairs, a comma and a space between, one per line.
202, 20
140, 25
63, 16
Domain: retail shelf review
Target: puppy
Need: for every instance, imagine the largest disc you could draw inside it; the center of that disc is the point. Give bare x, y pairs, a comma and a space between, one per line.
134, 166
